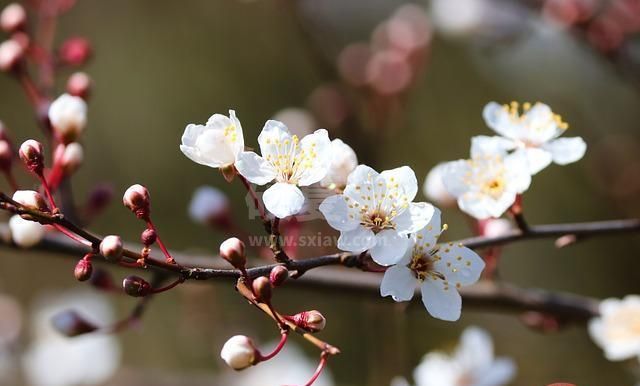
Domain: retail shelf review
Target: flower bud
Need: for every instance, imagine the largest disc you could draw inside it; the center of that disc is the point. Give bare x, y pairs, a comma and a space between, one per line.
136, 286
79, 85
30, 199
69, 323
262, 289
210, 206
278, 275
111, 248
233, 251
83, 270
102, 280
6, 155
72, 157
435, 190
312, 321
68, 117
99, 198
11, 54
32, 154
495, 227
13, 18
148, 237
239, 352
136, 198
25, 233
75, 51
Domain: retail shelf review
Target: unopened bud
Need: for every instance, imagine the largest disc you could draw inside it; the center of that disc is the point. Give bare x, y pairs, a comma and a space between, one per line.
69, 323
136, 198
99, 198
30, 199
312, 321
111, 248
25, 233
278, 275
262, 289
233, 251
32, 154
13, 18
75, 51
72, 157
239, 352
79, 85
148, 237
210, 206
83, 270
6, 155
136, 286
102, 279
68, 117
11, 54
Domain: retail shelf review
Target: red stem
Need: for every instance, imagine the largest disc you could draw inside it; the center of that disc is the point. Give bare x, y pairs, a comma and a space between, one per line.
283, 340
164, 249
71, 235
254, 196
321, 365
167, 287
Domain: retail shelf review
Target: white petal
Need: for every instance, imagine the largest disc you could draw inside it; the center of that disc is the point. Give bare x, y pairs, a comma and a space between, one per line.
454, 175
273, 133
428, 236
537, 159
414, 218
239, 143
460, 265
482, 206
405, 178
336, 211
475, 351
517, 176
317, 150
499, 373
441, 300
497, 117
567, 150
434, 188
482, 145
365, 187
399, 283
255, 168
437, 369
361, 175
192, 134
356, 240
538, 125
343, 162
25, 233
390, 247
283, 200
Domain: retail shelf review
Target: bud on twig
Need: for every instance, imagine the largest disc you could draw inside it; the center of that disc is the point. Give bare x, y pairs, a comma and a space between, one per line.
13, 18
68, 117
136, 286
136, 198
79, 85
75, 51
83, 270
11, 54
262, 289
30, 199
233, 251
6, 156
72, 157
111, 248
25, 233
148, 237
32, 154
312, 321
69, 323
239, 352
278, 275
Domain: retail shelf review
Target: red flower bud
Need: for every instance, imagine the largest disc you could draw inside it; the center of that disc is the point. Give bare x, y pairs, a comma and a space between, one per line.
70, 323
312, 321
102, 280
79, 84
32, 154
278, 275
148, 237
233, 251
136, 198
13, 18
11, 54
75, 51
136, 286
262, 289
83, 270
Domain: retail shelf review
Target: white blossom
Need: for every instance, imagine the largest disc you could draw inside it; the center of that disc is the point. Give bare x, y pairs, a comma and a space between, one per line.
376, 212
208, 203
239, 352
217, 143
440, 270
534, 134
290, 162
616, 329
25, 233
434, 188
472, 364
343, 162
68, 116
487, 184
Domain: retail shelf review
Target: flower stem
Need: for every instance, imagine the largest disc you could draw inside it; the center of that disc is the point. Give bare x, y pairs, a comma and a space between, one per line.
161, 245
283, 340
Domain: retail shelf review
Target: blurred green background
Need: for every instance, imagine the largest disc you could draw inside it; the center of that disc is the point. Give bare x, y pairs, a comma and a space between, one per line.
160, 65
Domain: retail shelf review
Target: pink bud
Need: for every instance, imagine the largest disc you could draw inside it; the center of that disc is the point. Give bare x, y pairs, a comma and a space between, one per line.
148, 237
262, 289
30, 199
136, 286
11, 54
233, 251
13, 18
79, 84
312, 321
111, 248
83, 270
279, 274
32, 154
136, 198
239, 352
72, 157
75, 51
6, 156
69, 323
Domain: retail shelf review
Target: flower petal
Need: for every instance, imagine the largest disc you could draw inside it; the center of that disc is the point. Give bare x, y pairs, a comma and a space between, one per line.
336, 211
255, 168
427, 237
482, 145
482, 206
317, 152
403, 179
460, 265
390, 247
205, 146
399, 283
283, 200
454, 176
356, 240
441, 300
500, 372
497, 117
362, 174
537, 159
239, 143
414, 218
475, 351
567, 150
538, 125
517, 176
273, 134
